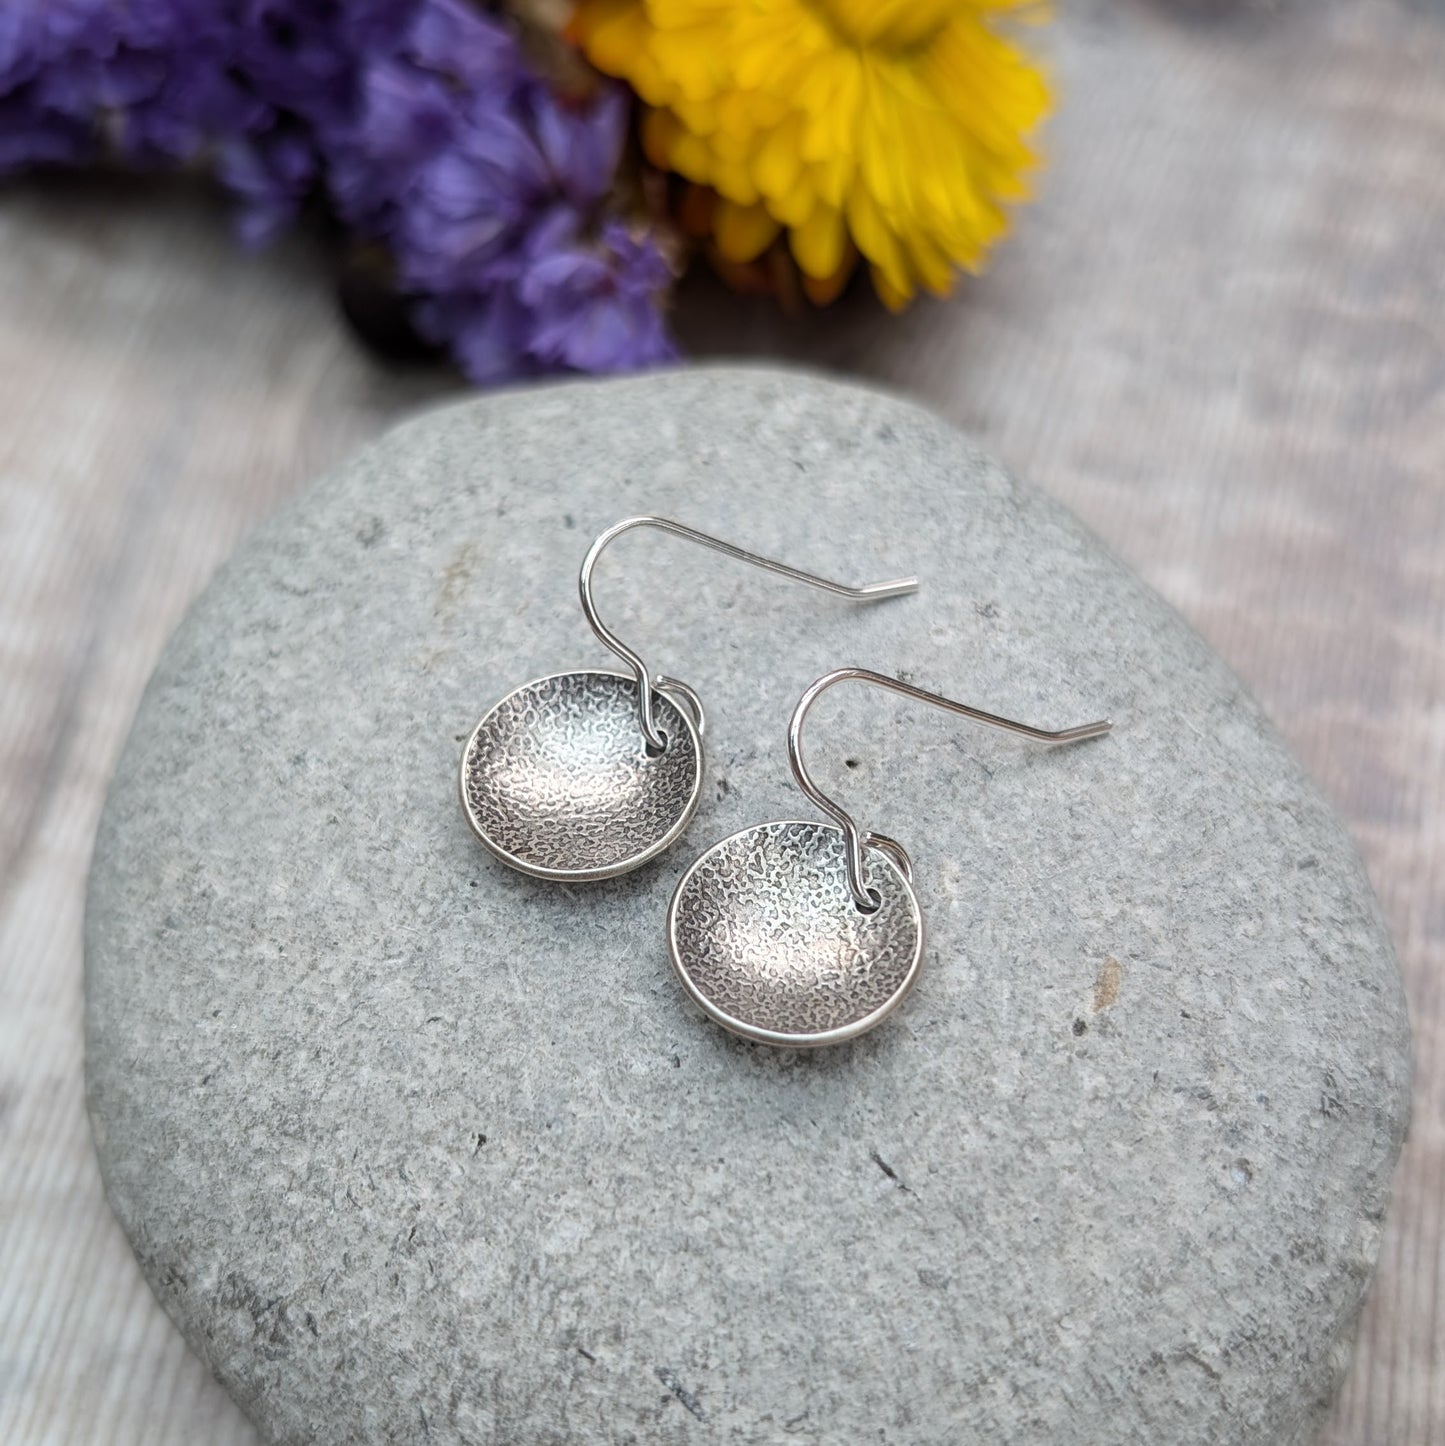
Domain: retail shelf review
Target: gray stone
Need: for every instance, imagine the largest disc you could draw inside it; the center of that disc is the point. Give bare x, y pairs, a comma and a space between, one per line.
415, 1148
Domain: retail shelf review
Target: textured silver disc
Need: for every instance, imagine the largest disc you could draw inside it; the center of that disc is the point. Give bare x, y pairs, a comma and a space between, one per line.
557, 780
765, 936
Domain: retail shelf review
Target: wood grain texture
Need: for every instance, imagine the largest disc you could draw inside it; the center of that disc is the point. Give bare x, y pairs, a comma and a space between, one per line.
1220, 337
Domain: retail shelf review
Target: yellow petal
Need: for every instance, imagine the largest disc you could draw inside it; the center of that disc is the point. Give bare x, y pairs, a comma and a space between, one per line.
900, 127
661, 132
875, 240
818, 244
793, 207
732, 178
743, 233
778, 164
614, 36
823, 291
928, 262
893, 297
694, 60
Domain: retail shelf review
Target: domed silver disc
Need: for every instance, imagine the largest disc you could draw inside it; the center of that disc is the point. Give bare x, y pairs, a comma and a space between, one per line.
765, 936
557, 780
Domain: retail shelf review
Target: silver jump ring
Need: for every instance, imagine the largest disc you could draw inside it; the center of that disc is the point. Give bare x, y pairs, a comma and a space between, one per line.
680, 691
894, 850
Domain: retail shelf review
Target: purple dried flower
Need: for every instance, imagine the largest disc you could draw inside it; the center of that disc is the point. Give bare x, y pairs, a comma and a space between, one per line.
595, 304
582, 144
30, 135
49, 54
478, 176
272, 174
487, 334
447, 37
420, 121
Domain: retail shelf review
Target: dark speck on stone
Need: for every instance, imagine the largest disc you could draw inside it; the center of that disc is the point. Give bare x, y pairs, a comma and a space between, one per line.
683, 1396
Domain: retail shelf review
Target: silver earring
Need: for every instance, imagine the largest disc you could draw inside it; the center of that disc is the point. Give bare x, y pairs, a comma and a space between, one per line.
805, 934
587, 775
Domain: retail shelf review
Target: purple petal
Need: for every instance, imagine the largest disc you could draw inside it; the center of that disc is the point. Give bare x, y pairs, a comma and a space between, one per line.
453, 39
583, 146
488, 338
405, 116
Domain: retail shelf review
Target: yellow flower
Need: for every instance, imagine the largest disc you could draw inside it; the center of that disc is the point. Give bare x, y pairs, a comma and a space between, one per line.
897, 123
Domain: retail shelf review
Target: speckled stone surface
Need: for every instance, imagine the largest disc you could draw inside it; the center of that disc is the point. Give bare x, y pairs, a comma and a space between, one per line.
415, 1148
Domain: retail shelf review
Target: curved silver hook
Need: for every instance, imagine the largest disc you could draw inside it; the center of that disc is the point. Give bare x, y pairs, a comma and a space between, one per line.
646, 684
854, 840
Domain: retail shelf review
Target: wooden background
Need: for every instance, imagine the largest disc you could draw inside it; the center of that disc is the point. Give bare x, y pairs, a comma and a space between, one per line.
1220, 337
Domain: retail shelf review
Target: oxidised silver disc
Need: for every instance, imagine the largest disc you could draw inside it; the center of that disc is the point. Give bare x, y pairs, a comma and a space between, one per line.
557, 781
765, 936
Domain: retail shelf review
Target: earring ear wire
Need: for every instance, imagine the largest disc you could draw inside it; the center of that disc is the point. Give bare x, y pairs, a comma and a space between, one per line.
777, 932
855, 839
589, 774
869, 592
